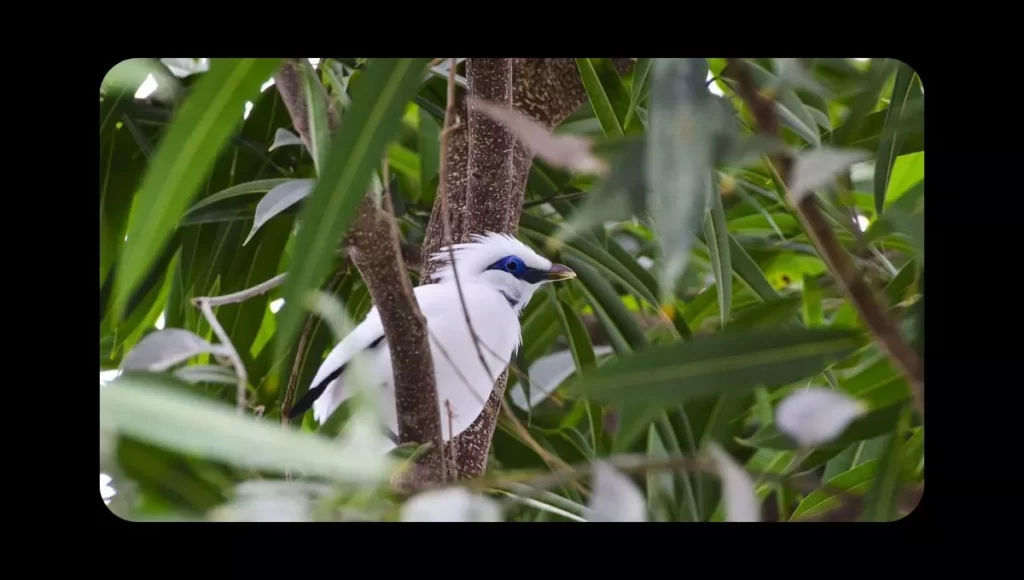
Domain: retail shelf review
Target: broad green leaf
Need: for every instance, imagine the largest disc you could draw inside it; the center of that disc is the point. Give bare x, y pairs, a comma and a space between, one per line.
378, 103
171, 418
606, 92
907, 171
721, 363
888, 146
187, 152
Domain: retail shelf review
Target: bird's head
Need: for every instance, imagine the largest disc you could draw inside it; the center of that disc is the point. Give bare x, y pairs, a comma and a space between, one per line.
503, 262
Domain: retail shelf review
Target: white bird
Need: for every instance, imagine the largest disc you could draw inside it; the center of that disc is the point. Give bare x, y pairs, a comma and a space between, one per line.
498, 275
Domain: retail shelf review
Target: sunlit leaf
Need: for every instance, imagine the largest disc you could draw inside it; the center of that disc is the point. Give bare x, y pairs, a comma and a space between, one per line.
283, 137
279, 199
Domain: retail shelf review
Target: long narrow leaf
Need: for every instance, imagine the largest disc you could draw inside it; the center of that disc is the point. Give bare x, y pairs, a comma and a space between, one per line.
203, 125
608, 97
727, 362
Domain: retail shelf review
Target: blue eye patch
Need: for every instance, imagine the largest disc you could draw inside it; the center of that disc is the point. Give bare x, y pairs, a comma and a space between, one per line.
515, 266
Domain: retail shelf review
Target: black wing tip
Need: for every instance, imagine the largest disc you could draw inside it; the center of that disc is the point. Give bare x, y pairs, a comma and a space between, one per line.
303, 404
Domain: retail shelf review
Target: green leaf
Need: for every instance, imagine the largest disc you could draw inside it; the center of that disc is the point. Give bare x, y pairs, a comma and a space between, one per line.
889, 145
684, 121
594, 254
721, 363
855, 482
316, 111
576, 333
749, 272
607, 95
170, 417
121, 167
187, 152
792, 111
717, 238
881, 502
813, 316
430, 153
240, 190
378, 103
864, 101
641, 86
278, 200
624, 332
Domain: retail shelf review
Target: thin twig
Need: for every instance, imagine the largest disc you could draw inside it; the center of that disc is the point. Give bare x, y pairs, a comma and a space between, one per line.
243, 295
867, 302
225, 342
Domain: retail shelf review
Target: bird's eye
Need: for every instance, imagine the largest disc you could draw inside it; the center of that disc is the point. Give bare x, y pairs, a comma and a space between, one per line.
511, 265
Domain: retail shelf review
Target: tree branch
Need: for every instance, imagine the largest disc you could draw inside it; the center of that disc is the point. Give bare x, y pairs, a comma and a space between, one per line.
373, 245
869, 305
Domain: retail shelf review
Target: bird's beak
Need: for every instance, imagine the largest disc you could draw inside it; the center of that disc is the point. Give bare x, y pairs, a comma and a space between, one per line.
560, 272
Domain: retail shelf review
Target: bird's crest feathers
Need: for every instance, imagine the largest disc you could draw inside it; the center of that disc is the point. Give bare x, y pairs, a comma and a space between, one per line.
473, 257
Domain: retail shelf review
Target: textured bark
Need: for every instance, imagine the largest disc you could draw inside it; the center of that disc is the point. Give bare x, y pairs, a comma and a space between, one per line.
373, 246
486, 181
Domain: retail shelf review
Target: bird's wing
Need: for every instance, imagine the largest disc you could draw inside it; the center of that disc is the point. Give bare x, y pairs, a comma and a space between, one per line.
464, 383
326, 390
368, 335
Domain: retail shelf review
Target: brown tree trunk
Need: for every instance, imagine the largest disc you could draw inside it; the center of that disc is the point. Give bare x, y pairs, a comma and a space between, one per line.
486, 181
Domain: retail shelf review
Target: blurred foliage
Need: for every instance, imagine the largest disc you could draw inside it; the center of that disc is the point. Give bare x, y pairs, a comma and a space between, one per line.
687, 329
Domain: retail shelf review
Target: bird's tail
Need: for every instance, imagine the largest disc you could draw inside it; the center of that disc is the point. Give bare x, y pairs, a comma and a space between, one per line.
307, 400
